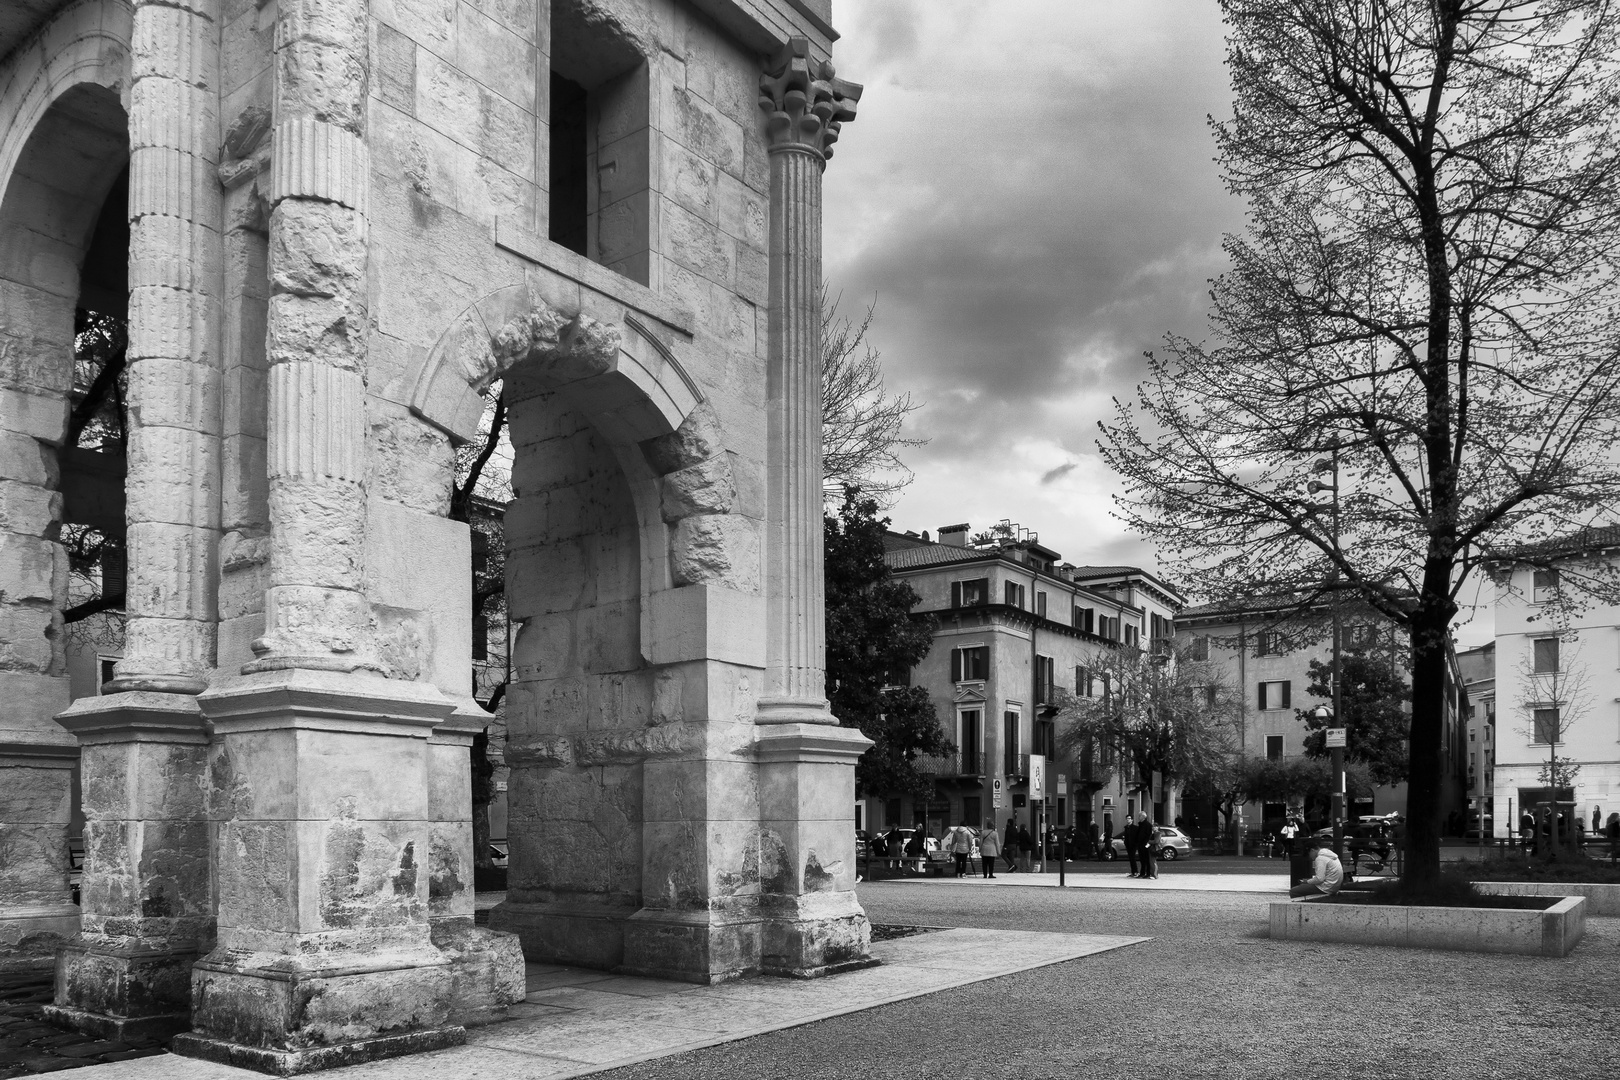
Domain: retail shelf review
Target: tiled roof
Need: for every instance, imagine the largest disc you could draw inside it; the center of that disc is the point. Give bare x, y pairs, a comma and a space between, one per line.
1575, 543
1084, 573
911, 558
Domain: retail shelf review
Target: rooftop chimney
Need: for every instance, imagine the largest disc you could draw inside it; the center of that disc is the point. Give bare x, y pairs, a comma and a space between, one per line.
954, 535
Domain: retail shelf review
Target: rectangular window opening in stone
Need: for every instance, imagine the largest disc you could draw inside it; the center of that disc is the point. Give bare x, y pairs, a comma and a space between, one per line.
1274, 747
599, 203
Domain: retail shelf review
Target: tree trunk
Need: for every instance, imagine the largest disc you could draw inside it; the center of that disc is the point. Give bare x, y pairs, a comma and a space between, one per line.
1426, 773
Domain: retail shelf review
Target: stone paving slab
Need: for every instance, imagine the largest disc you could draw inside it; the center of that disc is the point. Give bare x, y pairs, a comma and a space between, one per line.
577, 1022
1276, 884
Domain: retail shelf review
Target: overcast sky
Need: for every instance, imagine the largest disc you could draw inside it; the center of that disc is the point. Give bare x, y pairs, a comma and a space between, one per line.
1029, 193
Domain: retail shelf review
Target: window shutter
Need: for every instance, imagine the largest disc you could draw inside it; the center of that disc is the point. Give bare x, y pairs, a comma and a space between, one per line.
1286, 685
956, 665
1262, 695
956, 594
983, 594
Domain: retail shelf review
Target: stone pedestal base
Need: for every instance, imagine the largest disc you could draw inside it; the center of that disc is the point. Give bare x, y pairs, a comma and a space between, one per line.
584, 935
691, 946
30, 934
813, 923
115, 991
486, 971
270, 1014
808, 945
314, 1059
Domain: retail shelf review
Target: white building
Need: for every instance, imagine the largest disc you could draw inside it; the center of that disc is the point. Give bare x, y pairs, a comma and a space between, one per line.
1557, 680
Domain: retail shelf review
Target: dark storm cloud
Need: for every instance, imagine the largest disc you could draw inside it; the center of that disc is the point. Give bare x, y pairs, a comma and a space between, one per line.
1040, 226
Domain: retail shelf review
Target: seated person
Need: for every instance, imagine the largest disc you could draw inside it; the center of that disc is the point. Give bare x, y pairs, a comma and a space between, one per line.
1328, 874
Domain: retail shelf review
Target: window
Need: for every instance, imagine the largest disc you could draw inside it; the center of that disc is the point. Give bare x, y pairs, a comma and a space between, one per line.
1269, 643
107, 666
970, 593
1040, 604
1045, 739
969, 742
971, 664
1013, 594
1275, 695
600, 142
1274, 747
1082, 681
1546, 724
891, 813
1209, 697
900, 676
1045, 680
1132, 635
1546, 654
971, 809
1544, 585
1009, 744
1198, 648
1085, 619
1359, 636
1063, 813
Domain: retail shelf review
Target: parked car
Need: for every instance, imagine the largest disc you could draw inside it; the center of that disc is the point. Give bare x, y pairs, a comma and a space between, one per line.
1173, 844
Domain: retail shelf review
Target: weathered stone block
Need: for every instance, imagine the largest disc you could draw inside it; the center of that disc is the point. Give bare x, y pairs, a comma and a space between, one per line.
704, 488
39, 416
487, 971
28, 509
717, 548
26, 460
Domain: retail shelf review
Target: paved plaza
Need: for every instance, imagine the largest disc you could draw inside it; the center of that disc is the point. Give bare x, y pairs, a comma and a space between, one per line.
1106, 978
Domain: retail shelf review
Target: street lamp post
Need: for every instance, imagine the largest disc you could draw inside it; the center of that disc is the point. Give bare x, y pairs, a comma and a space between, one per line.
1336, 738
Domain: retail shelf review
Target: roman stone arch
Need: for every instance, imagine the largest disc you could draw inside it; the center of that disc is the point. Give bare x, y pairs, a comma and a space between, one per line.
624, 505
63, 148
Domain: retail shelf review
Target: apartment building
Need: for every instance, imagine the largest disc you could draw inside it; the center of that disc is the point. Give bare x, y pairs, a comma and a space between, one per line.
1265, 649
1558, 677
1478, 669
1019, 630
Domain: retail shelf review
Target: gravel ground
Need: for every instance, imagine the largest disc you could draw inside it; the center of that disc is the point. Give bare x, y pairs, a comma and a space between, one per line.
1210, 996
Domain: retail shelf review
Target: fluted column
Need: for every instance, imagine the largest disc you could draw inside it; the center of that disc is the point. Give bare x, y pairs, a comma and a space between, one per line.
805, 107
315, 610
812, 924
174, 378
146, 899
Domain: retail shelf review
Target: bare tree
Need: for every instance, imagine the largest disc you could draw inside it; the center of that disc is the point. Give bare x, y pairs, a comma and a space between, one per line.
860, 421
1553, 697
1425, 294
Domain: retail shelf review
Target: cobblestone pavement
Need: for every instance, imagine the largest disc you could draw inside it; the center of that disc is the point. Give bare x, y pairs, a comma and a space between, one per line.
29, 1046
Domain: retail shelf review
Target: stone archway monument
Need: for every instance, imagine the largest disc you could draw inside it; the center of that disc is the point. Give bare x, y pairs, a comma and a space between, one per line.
347, 221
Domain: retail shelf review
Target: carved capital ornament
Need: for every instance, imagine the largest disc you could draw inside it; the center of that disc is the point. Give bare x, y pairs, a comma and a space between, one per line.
805, 102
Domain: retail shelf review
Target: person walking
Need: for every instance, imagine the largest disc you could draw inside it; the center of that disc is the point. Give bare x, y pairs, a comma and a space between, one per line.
897, 846
1107, 851
1148, 836
989, 848
1132, 845
917, 848
1009, 845
1094, 834
960, 844
1026, 850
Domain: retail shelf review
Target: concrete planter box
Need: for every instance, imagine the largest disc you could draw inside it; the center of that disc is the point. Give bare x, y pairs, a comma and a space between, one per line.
1553, 932
1601, 900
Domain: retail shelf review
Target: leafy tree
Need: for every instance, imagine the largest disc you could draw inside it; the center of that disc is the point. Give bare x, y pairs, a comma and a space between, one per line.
1425, 294
873, 642
1374, 701
1303, 781
1157, 712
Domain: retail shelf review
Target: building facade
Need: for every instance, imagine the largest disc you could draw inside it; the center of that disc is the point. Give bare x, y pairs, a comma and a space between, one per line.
1266, 654
1557, 682
325, 229
1478, 670
1019, 631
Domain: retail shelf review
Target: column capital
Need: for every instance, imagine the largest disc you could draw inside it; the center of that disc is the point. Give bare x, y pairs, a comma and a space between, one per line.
805, 102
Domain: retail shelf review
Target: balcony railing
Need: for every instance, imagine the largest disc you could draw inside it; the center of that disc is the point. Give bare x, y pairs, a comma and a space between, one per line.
965, 762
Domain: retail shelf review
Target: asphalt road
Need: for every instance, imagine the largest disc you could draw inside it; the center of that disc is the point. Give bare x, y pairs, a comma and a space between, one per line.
1210, 996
